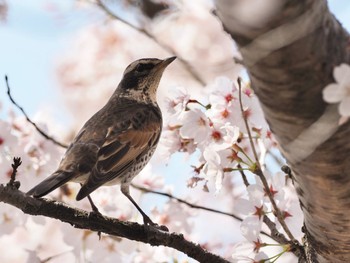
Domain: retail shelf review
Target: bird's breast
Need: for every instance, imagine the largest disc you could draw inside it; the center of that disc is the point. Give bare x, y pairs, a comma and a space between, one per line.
134, 169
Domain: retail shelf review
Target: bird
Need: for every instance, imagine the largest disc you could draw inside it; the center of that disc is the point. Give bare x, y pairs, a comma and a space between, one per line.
117, 142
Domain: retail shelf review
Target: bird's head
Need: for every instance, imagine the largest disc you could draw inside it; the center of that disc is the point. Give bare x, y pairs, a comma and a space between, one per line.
141, 78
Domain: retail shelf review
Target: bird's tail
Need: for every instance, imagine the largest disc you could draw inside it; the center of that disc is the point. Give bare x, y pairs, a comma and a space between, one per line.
51, 183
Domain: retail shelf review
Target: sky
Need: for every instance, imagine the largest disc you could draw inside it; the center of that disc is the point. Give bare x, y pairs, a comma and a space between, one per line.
32, 39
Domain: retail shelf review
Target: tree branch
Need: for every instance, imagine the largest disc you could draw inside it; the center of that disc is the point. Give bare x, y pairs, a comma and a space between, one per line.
88, 220
258, 171
143, 189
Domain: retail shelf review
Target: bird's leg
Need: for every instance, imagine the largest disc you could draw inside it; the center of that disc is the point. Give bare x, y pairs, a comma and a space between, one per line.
95, 210
93, 206
146, 220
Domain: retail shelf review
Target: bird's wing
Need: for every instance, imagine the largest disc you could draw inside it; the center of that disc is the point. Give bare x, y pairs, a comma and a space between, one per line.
122, 148
78, 160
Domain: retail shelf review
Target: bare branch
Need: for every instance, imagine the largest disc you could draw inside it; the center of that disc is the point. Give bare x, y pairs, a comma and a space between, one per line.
89, 220
244, 177
30, 121
143, 189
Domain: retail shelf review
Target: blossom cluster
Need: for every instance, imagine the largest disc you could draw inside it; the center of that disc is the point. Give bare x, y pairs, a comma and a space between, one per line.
215, 128
215, 132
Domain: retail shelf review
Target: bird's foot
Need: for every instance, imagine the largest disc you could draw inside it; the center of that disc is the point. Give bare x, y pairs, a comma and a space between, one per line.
148, 222
96, 214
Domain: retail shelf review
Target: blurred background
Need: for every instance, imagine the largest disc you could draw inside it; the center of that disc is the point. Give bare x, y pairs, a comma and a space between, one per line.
64, 58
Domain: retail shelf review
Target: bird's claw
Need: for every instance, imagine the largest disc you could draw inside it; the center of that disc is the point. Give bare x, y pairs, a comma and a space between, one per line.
148, 222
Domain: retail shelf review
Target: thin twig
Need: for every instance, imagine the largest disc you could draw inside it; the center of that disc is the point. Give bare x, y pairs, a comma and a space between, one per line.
167, 48
29, 120
246, 121
16, 163
244, 177
258, 170
143, 189
275, 234
279, 239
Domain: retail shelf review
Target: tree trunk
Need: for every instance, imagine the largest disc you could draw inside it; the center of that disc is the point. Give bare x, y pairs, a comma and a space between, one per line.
290, 58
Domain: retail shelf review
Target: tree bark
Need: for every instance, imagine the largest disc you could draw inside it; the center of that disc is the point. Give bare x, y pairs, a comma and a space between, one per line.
290, 59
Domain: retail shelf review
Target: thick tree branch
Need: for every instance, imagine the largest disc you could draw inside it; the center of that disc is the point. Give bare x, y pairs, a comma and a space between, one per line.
88, 220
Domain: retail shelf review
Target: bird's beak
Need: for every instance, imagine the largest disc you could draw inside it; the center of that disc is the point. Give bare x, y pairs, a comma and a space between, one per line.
166, 62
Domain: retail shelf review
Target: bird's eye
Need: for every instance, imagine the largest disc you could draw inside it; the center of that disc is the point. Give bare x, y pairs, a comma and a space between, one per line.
144, 67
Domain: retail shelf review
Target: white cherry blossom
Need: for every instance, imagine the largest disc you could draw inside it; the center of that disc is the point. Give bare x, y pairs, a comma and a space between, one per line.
339, 92
195, 125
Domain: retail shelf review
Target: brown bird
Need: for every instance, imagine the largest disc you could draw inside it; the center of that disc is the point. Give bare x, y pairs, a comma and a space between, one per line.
117, 142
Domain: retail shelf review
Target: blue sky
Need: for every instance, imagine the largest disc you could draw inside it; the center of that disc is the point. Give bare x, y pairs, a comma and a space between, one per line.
31, 41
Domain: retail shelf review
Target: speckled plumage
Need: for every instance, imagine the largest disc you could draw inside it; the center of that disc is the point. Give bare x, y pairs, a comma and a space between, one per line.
117, 142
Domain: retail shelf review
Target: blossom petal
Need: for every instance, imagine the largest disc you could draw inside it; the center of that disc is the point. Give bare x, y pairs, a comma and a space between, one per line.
250, 228
333, 93
342, 74
344, 107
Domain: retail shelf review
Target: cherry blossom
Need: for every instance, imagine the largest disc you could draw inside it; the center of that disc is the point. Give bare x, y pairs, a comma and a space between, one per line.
195, 125
222, 91
254, 209
175, 104
244, 252
175, 216
6, 136
171, 142
214, 167
339, 92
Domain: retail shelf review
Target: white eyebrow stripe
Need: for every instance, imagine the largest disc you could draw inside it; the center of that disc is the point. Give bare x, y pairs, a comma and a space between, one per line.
132, 66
